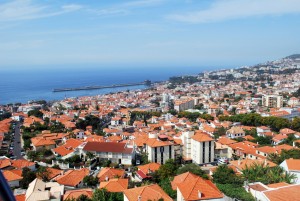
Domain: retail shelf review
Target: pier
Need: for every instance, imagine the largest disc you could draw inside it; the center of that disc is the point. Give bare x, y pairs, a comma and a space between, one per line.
147, 82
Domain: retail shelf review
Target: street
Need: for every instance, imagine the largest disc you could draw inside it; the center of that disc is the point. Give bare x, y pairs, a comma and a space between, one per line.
17, 142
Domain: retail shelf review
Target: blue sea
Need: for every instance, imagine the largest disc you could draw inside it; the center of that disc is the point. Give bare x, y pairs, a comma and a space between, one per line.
27, 84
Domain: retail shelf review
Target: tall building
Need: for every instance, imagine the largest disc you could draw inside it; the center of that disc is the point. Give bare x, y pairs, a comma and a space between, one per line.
272, 101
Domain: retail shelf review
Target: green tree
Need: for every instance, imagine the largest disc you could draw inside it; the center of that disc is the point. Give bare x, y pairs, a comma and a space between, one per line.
219, 132
37, 113
168, 169
28, 177
83, 198
226, 175
42, 173
193, 168
165, 184
90, 181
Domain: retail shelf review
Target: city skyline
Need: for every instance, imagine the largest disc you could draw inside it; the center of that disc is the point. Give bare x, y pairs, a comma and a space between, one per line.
147, 33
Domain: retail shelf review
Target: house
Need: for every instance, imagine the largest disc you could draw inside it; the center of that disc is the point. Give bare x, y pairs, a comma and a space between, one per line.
235, 132
79, 133
73, 178
202, 148
22, 163
4, 162
262, 130
39, 190
145, 193
144, 171
110, 173
13, 177
116, 152
68, 149
52, 173
160, 149
292, 166
74, 194
115, 185
241, 164
39, 143
274, 192
191, 187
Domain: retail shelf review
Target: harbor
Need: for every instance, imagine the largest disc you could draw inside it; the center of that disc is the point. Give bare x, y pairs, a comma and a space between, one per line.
147, 82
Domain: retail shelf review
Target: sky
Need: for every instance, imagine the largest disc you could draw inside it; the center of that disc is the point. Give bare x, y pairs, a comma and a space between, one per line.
146, 33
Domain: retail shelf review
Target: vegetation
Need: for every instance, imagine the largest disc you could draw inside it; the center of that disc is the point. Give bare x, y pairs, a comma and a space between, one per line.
36, 112
234, 191
90, 120
254, 119
183, 79
285, 154
104, 195
142, 116
90, 181
43, 174
5, 115
193, 168
28, 177
267, 175
193, 116
219, 132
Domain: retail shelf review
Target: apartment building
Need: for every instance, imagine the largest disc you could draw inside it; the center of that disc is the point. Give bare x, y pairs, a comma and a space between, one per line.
272, 101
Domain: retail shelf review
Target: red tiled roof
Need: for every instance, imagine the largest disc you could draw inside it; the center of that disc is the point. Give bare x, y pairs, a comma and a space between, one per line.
114, 147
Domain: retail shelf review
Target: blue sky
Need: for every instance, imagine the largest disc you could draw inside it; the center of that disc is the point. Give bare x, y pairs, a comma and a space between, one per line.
146, 33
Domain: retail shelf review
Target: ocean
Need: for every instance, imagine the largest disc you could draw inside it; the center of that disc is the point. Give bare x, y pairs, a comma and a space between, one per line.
23, 85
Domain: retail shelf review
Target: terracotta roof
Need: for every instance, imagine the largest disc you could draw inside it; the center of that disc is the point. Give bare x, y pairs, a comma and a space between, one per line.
20, 197
198, 188
226, 141
242, 164
4, 163
68, 147
12, 175
285, 193
152, 142
114, 147
278, 185
181, 178
21, 163
115, 185
202, 137
40, 141
74, 194
293, 164
52, 173
150, 166
258, 187
110, 173
150, 192
72, 177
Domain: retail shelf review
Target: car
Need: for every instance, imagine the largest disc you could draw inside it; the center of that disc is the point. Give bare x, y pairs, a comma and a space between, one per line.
13, 157
23, 153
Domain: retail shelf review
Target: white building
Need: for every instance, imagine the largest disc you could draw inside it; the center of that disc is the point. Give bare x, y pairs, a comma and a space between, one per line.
235, 132
272, 101
292, 166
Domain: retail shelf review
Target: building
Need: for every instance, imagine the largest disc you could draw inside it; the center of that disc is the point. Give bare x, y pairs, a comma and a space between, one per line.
292, 166
107, 173
116, 152
160, 149
13, 177
181, 105
39, 190
272, 101
202, 148
235, 132
145, 193
191, 187
73, 178
197, 147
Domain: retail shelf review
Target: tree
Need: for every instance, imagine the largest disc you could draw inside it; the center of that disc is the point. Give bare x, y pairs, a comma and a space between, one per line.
83, 198
226, 175
219, 132
168, 169
90, 181
28, 177
37, 113
43, 173
285, 154
193, 168
165, 184
90, 155
267, 175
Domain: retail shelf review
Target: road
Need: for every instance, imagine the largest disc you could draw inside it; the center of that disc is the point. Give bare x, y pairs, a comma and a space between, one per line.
17, 146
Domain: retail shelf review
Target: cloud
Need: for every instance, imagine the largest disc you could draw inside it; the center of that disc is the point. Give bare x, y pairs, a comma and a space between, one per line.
126, 8
26, 10
222, 10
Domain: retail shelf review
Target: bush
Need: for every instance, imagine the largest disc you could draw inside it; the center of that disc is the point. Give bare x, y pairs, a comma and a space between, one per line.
235, 191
